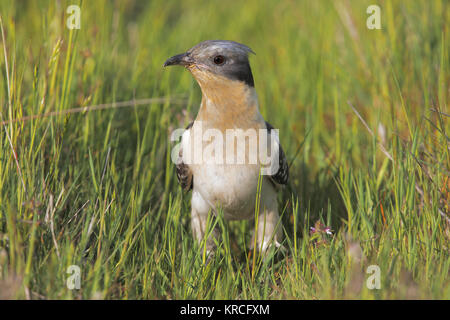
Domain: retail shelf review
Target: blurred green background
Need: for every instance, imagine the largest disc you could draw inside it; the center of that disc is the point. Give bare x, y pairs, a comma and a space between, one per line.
97, 189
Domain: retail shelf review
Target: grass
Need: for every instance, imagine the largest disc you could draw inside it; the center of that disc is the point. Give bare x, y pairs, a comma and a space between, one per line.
97, 189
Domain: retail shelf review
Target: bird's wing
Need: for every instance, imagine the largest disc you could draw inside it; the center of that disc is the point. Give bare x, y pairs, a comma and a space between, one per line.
184, 173
282, 174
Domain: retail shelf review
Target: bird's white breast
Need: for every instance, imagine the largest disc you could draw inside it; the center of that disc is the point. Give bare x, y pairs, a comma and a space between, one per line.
231, 187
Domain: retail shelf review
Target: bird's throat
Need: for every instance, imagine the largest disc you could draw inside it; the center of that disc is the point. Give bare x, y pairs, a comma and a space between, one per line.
227, 103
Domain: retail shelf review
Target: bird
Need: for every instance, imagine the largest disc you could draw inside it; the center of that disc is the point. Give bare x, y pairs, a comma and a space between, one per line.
229, 103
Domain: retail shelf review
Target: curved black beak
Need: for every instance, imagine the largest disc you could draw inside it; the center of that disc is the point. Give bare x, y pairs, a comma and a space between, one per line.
182, 59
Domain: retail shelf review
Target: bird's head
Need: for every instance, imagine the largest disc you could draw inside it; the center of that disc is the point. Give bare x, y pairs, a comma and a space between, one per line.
215, 62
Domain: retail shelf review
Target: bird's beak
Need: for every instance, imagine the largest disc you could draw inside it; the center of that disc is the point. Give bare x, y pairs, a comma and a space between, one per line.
182, 59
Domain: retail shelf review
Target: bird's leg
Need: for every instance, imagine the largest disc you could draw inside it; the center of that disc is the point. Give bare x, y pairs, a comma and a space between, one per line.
199, 223
268, 229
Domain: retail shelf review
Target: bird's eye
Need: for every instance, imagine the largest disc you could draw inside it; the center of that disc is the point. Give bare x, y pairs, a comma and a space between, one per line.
219, 60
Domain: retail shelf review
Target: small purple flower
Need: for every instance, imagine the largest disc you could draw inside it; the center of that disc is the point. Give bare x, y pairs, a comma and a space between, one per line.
320, 228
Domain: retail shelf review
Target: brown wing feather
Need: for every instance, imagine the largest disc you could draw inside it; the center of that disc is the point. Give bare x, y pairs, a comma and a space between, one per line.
282, 175
184, 173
